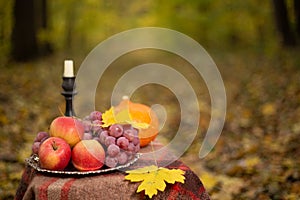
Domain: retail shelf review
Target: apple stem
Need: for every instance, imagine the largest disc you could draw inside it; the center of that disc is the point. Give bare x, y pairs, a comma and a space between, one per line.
54, 146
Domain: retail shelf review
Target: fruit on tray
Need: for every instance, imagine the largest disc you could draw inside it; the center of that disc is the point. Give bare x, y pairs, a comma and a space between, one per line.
39, 139
88, 155
54, 154
92, 125
68, 128
97, 140
141, 113
120, 141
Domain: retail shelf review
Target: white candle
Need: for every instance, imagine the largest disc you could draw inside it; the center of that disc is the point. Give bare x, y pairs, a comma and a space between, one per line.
68, 68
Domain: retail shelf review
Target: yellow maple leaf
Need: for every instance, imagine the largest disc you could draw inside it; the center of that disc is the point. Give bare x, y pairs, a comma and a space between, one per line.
110, 117
154, 178
123, 116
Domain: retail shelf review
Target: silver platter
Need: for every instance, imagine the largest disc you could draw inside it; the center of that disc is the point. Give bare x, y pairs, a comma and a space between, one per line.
33, 161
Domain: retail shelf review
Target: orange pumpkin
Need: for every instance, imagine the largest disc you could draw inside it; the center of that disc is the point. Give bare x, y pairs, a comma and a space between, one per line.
141, 113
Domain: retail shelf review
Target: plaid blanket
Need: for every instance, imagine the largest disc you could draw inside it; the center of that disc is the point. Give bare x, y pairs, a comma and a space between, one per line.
35, 185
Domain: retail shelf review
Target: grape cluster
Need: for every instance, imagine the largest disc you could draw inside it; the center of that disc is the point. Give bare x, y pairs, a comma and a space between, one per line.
120, 141
39, 139
92, 126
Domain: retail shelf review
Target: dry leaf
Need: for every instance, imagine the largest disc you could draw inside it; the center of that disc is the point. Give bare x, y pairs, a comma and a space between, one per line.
268, 109
154, 178
110, 117
209, 180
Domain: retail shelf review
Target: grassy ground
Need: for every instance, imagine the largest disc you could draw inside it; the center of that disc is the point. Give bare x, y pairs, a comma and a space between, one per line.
255, 157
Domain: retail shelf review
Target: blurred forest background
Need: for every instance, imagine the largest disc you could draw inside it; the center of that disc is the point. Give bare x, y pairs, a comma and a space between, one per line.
255, 45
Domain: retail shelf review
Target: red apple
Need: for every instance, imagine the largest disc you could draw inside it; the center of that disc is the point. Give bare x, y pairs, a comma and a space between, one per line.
68, 128
88, 155
54, 154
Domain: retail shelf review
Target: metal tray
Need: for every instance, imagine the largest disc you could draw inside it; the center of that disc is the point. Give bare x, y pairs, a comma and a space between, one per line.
33, 161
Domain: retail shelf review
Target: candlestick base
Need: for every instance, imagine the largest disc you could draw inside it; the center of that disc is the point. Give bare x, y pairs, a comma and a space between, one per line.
69, 92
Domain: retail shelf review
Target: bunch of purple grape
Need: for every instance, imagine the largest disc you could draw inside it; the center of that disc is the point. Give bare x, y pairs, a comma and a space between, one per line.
39, 139
120, 141
92, 126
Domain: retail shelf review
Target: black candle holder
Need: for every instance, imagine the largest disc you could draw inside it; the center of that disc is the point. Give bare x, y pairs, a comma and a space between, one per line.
69, 92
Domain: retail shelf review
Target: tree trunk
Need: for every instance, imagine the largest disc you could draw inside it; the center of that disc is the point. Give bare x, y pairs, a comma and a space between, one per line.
41, 16
282, 22
24, 41
297, 16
